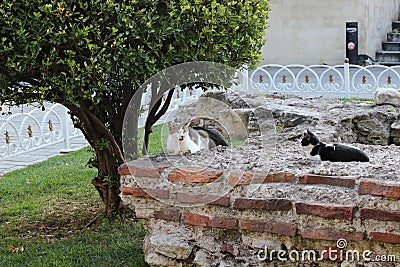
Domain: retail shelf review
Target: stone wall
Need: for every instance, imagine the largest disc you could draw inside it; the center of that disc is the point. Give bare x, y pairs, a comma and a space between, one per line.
313, 32
186, 226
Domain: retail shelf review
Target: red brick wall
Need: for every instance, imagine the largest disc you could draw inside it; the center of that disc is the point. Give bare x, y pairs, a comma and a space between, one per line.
371, 222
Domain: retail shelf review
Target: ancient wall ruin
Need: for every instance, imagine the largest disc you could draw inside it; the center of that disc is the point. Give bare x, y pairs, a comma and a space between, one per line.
260, 222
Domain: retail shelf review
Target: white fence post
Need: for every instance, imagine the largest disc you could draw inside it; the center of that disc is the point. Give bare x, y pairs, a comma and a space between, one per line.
346, 69
66, 128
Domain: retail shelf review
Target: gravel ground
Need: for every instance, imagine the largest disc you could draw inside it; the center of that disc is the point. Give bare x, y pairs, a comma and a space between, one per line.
281, 151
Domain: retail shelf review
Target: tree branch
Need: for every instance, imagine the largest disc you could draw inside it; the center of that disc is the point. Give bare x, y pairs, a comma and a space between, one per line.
153, 117
87, 129
165, 107
107, 134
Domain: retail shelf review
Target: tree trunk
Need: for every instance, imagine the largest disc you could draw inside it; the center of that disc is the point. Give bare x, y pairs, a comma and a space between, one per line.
147, 132
108, 158
107, 183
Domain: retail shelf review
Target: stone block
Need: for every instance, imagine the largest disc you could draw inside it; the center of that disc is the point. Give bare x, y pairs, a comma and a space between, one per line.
395, 132
331, 234
171, 246
381, 215
234, 122
328, 180
194, 175
387, 96
328, 211
384, 237
377, 188
265, 204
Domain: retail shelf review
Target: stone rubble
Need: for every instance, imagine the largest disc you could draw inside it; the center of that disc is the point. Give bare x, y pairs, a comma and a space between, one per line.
371, 128
273, 145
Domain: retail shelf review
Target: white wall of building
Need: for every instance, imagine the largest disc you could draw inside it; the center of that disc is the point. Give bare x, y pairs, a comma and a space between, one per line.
379, 25
313, 31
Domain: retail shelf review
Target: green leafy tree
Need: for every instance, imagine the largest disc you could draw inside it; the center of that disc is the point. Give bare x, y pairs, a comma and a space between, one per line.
92, 56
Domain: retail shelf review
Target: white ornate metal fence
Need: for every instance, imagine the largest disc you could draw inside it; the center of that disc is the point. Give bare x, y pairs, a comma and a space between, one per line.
30, 128
337, 81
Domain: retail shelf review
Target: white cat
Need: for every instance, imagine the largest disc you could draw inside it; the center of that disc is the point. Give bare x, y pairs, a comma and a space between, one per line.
192, 140
173, 139
187, 140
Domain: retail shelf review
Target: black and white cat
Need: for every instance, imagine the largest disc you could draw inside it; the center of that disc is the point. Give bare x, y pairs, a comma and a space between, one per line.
332, 152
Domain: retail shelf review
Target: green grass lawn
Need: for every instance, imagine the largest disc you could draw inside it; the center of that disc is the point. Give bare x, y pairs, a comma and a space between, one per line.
43, 212
158, 138
44, 209
346, 100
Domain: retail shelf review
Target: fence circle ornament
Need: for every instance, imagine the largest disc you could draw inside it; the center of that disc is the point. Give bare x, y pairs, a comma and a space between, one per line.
229, 170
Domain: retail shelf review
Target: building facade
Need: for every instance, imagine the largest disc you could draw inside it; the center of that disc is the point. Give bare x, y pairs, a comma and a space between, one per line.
314, 31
